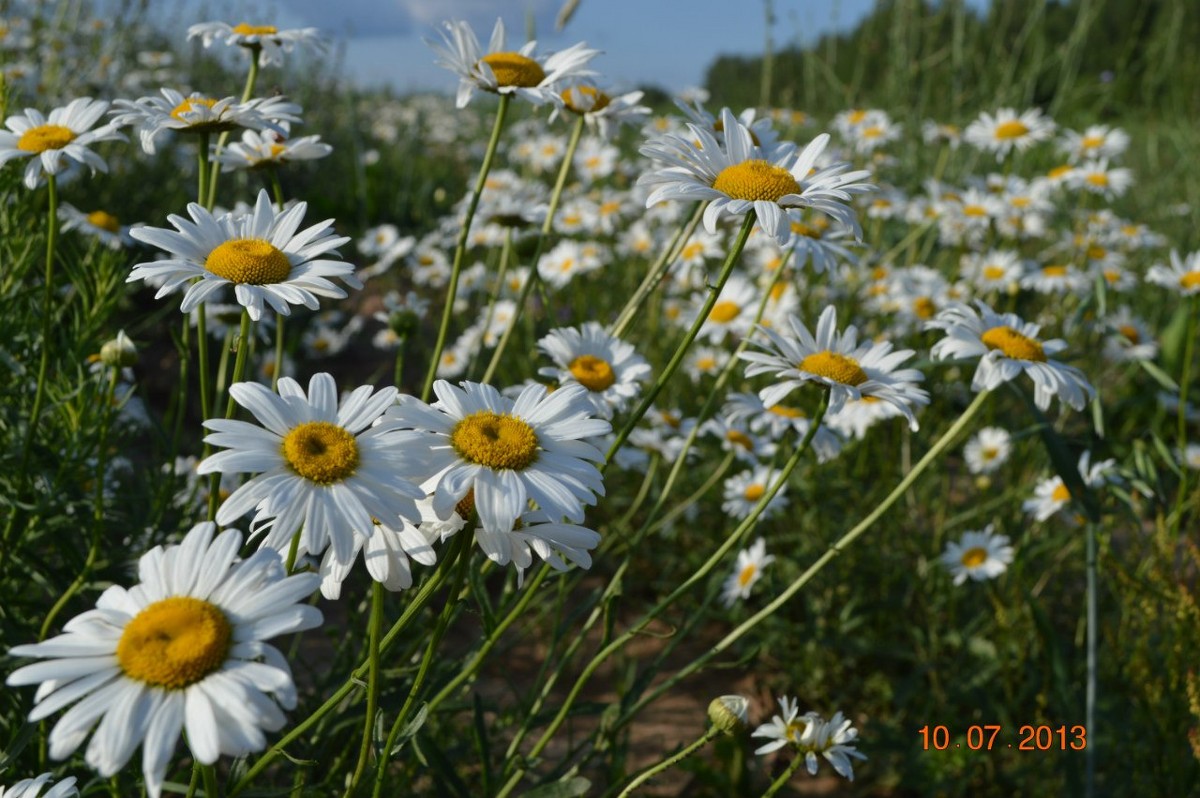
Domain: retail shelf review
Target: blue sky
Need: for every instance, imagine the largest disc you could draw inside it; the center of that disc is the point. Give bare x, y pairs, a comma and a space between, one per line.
663, 42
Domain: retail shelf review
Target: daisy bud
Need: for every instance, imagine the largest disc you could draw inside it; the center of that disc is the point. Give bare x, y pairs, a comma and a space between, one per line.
119, 352
728, 713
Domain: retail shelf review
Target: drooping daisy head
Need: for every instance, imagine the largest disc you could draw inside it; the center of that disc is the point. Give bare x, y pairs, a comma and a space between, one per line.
268, 42
258, 252
55, 142
535, 79
1007, 346
836, 361
736, 176
1006, 130
322, 466
183, 650
507, 452
609, 368
746, 572
978, 556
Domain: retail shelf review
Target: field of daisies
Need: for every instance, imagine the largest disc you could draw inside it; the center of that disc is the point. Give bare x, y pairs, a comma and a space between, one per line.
537, 440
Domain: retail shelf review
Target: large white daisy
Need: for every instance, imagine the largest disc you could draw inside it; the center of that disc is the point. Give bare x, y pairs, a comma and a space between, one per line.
609, 368
317, 464
52, 142
838, 361
198, 113
501, 71
737, 176
508, 451
1006, 346
258, 252
182, 650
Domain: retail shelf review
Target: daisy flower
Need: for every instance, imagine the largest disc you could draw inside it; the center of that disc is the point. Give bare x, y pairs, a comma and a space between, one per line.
32, 788
780, 419
997, 270
52, 142
269, 149
1182, 275
834, 739
733, 312
198, 113
835, 360
1007, 346
268, 41
608, 367
742, 492
508, 451
1006, 131
789, 727
99, 224
1129, 339
259, 253
987, 450
500, 71
1052, 494
735, 437
1055, 278
536, 532
746, 572
320, 466
1096, 177
183, 650
737, 176
854, 420
600, 109
1097, 141
978, 556
386, 552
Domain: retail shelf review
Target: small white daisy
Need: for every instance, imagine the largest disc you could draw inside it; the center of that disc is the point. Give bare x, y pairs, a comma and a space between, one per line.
259, 253
746, 573
737, 176
742, 492
1097, 141
1007, 346
320, 467
987, 450
602, 110
268, 41
835, 360
183, 650
789, 727
267, 150
198, 113
53, 142
1182, 275
508, 451
609, 368
1006, 131
100, 224
32, 788
978, 556
500, 71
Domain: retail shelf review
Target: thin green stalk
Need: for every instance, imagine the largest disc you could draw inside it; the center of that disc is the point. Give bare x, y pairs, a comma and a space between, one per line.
655, 274
1089, 782
398, 366
279, 339
785, 776
734, 539
490, 312
690, 501
209, 774
374, 627
97, 507
712, 733
195, 782
1181, 439
547, 225
276, 188
460, 247
459, 558
209, 199
293, 551
666, 374
239, 366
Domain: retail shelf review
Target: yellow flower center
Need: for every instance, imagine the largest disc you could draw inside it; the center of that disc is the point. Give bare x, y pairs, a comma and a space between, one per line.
856, 116
1012, 129
924, 307
192, 104
747, 573
321, 452
756, 180
495, 440
740, 439
724, 312
1190, 280
514, 69
246, 29
1012, 344
1098, 179
1130, 332
1061, 494
834, 366
753, 493
989, 453
105, 221
1020, 202
974, 210
251, 261
466, 505
45, 137
973, 558
993, 272
1054, 270
585, 99
1059, 171
593, 373
786, 412
706, 363
1091, 142
795, 730
175, 642
1112, 275
799, 228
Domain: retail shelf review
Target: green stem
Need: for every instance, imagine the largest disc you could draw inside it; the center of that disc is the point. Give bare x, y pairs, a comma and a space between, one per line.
1181, 440
209, 774
279, 339
1089, 783
293, 550
547, 225
374, 627
276, 188
239, 365
97, 506
489, 314
785, 776
460, 247
460, 556
666, 374
210, 198
195, 782
655, 274
734, 539
652, 771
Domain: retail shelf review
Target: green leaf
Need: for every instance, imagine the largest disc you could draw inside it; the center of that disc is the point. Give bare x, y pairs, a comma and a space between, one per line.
411, 728
567, 788
1160, 376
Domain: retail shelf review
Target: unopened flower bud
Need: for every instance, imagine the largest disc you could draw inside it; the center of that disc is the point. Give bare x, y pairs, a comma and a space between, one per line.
728, 713
119, 352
